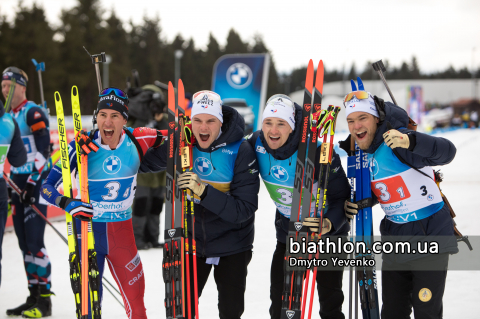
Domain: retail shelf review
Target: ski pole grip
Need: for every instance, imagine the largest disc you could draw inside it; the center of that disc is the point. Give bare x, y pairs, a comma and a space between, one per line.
378, 66
39, 66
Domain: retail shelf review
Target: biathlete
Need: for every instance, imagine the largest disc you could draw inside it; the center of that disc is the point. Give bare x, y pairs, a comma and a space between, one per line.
112, 171
276, 148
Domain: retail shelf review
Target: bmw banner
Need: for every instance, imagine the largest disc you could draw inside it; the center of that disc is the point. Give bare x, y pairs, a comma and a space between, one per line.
243, 76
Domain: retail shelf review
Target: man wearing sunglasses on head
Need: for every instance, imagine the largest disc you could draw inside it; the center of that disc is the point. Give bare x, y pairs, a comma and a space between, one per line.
34, 128
402, 181
114, 156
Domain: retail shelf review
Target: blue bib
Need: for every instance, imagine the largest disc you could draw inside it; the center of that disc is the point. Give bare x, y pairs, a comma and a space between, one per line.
278, 176
216, 168
27, 138
7, 130
112, 179
404, 194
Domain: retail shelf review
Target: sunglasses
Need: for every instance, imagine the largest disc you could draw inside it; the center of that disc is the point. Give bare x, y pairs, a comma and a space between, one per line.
116, 91
16, 70
361, 95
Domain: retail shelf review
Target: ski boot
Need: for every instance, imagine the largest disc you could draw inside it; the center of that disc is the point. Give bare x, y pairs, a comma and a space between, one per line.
43, 306
31, 300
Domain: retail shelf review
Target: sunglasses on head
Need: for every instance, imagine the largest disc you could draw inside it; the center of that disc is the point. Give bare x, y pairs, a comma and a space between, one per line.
16, 70
115, 91
361, 95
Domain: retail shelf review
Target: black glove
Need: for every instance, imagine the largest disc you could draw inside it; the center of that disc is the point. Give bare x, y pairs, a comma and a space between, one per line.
27, 196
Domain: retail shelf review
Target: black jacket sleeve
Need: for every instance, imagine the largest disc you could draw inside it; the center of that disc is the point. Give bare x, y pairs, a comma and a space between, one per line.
338, 190
428, 151
17, 154
155, 159
241, 203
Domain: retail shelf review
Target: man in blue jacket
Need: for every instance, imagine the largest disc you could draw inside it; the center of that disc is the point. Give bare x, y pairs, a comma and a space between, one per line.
33, 123
226, 184
403, 183
11, 148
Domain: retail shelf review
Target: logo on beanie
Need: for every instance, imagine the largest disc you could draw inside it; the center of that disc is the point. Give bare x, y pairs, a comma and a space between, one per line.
279, 173
203, 166
239, 75
274, 111
112, 164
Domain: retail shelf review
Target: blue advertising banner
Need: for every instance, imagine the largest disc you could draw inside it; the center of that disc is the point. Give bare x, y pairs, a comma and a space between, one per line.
243, 76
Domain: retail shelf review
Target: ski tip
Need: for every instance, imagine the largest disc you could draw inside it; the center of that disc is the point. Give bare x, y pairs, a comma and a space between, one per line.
360, 84
74, 90
57, 96
354, 86
319, 77
309, 78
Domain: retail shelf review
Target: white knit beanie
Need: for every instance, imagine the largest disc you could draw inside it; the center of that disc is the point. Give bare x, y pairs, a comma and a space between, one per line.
280, 106
207, 102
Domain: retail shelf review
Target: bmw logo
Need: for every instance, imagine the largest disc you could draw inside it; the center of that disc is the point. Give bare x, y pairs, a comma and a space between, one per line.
112, 164
202, 166
279, 173
239, 75
373, 166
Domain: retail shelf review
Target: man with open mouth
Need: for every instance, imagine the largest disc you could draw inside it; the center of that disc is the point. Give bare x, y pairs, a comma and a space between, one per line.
276, 148
114, 156
402, 181
225, 182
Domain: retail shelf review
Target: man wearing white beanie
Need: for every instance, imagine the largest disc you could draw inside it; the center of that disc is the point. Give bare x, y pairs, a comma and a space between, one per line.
225, 182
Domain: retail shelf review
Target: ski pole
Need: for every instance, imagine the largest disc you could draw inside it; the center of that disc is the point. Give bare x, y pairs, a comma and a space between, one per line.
8, 102
380, 68
17, 190
40, 67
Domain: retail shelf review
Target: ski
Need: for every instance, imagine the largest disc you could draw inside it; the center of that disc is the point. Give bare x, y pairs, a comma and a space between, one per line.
310, 169
91, 266
73, 253
366, 277
294, 276
168, 262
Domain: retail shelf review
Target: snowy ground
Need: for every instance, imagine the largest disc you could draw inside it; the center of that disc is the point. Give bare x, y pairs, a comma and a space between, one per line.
461, 297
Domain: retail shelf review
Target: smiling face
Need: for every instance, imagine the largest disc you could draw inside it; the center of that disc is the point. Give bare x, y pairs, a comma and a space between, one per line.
276, 132
110, 124
18, 97
362, 127
206, 128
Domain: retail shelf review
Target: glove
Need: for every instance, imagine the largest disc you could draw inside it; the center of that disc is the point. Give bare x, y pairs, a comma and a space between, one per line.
27, 196
394, 138
313, 223
192, 182
76, 208
351, 209
85, 142
326, 226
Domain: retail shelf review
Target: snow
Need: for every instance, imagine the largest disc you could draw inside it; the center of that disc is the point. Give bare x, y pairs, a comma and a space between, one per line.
461, 186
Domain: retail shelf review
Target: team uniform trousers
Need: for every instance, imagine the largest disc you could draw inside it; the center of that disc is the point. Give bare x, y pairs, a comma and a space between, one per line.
114, 243
231, 278
329, 286
30, 230
401, 290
